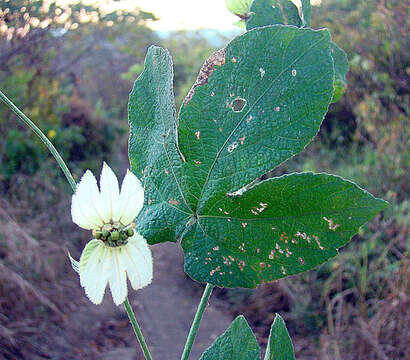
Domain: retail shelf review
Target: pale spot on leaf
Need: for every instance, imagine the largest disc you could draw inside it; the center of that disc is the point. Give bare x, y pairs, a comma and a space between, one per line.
173, 202
332, 225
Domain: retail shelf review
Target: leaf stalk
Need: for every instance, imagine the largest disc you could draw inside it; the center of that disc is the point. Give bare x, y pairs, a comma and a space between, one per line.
197, 319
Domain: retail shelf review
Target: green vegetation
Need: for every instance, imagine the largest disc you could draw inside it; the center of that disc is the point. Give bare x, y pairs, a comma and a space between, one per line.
354, 307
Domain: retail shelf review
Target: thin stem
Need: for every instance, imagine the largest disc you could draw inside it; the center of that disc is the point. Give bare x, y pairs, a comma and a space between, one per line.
137, 330
195, 324
42, 137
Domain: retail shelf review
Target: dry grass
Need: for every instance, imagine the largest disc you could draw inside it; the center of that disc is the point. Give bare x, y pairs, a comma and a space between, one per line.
31, 286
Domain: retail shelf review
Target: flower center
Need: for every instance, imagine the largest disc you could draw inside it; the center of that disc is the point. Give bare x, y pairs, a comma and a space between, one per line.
114, 234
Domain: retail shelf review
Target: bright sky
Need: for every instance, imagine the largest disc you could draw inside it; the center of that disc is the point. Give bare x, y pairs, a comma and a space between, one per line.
182, 14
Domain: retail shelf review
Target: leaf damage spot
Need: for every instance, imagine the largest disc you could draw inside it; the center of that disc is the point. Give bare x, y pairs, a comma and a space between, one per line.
233, 146
216, 59
332, 225
213, 271
238, 104
257, 210
172, 201
241, 265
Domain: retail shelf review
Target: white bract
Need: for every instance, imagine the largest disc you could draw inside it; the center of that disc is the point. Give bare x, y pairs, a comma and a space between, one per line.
116, 251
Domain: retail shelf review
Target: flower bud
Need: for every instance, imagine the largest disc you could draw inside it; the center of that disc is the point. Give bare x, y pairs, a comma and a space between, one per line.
115, 235
130, 232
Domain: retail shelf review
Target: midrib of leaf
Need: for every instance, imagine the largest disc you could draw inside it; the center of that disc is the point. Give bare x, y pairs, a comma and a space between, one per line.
167, 203
162, 107
176, 181
247, 113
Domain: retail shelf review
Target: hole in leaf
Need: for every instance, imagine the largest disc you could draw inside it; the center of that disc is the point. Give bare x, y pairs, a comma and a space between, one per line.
238, 104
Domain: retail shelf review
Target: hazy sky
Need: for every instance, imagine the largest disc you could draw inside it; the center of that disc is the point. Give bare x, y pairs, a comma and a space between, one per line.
182, 14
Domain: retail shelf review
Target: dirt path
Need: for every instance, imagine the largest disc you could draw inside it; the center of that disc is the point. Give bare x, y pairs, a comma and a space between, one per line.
167, 307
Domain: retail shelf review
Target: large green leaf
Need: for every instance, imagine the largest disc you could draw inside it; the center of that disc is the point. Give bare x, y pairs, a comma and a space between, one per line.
282, 76
280, 227
153, 153
271, 12
237, 343
279, 344
255, 104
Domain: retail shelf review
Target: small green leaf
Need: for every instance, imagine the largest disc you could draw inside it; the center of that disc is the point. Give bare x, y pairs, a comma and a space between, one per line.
238, 7
306, 12
279, 344
341, 69
153, 151
237, 343
272, 12
74, 263
280, 227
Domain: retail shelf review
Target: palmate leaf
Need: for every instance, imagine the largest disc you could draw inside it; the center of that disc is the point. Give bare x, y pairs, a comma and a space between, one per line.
255, 104
272, 12
237, 343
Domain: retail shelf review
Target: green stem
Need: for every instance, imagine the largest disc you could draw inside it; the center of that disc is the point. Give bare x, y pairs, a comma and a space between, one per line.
42, 137
137, 330
195, 324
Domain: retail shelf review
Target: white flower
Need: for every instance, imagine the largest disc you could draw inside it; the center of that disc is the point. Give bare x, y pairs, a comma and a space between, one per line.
116, 251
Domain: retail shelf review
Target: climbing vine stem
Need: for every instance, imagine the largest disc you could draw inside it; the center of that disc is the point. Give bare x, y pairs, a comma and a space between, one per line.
195, 324
43, 138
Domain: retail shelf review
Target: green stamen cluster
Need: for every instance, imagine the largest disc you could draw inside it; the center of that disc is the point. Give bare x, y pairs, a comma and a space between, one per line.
114, 234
